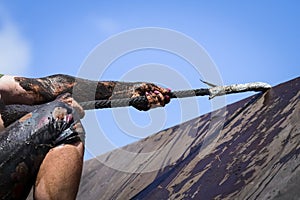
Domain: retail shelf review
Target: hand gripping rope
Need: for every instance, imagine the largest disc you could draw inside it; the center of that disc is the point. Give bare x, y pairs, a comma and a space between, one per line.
213, 91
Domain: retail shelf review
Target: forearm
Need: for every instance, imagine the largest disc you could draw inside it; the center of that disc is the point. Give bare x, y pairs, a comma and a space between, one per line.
48, 88
21, 90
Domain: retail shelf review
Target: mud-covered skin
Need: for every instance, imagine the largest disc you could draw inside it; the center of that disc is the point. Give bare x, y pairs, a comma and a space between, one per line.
48, 88
11, 113
25, 143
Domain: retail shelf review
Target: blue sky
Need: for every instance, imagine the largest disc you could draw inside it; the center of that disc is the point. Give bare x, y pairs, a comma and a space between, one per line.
246, 40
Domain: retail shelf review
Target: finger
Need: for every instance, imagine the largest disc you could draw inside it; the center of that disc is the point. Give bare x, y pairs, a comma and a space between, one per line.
78, 109
157, 99
164, 91
150, 99
167, 99
164, 95
160, 98
71, 102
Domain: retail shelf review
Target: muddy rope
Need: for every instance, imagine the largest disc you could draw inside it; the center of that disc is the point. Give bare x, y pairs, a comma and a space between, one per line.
212, 92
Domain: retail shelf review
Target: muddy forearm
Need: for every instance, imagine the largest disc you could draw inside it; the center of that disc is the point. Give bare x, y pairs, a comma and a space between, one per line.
48, 88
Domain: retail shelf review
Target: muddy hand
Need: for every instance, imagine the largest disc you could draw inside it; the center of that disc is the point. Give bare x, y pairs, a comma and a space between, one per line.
157, 96
25, 143
67, 98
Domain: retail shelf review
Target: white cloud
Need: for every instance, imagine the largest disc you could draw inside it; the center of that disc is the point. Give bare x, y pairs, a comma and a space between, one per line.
14, 48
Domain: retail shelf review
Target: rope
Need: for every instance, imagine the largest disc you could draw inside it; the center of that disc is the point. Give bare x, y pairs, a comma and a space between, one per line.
142, 101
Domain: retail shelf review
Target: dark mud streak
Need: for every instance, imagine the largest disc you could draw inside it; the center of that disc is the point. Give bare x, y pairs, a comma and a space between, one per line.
10, 113
294, 153
252, 100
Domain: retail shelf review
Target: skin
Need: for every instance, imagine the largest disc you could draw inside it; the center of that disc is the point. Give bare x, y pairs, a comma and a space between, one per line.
60, 172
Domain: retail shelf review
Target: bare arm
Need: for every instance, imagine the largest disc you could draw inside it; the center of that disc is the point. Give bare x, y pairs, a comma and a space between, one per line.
21, 90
